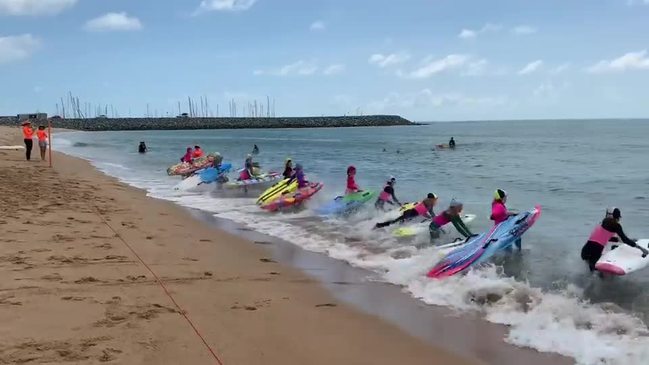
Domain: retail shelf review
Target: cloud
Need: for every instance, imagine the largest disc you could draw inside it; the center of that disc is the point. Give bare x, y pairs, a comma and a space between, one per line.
559, 69
113, 22
472, 34
627, 62
298, 68
524, 30
317, 25
224, 5
426, 98
475, 68
383, 61
15, 48
34, 7
467, 34
434, 66
334, 69
531, 67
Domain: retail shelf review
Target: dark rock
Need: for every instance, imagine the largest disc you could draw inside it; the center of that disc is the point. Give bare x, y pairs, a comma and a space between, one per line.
115, 124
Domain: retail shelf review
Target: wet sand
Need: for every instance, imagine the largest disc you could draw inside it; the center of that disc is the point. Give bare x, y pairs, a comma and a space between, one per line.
72, 290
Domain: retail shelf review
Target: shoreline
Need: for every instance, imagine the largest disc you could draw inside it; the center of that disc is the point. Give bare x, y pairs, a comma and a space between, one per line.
73, 292
464, 333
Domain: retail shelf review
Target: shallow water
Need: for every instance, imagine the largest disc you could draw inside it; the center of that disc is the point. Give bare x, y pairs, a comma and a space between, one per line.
574, 169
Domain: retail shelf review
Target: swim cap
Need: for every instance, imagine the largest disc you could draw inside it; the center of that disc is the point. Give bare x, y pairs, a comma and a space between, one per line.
614, 212
500, 194
392, 180
249, 156
288, 159
431, 196
455, 203
351, 168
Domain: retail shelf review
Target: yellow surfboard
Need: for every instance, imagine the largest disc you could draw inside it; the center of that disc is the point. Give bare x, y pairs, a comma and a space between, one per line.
277, 190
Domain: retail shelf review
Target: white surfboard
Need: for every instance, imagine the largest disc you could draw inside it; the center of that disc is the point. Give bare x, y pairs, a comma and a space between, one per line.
188, 183
14, 148
624, 259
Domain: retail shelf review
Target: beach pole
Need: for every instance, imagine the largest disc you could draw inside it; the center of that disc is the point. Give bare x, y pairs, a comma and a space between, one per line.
49, 145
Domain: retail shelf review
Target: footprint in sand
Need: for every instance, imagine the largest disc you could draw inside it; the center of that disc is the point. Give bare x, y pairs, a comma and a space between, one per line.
52, 277
86, 279
326, 305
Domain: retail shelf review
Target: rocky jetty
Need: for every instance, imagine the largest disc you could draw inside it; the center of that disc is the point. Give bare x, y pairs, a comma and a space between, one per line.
178, 123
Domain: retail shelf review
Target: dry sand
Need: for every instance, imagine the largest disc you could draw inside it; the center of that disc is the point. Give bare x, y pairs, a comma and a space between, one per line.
71, 291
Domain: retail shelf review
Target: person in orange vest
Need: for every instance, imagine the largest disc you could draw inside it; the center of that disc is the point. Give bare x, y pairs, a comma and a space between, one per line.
198, 152
28, 134
42, 140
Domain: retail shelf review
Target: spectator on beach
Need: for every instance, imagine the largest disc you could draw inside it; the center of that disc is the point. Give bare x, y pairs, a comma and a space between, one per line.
42, 140
28, 135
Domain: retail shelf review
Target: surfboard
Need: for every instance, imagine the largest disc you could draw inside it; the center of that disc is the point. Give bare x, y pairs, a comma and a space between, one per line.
622, 259
13, 148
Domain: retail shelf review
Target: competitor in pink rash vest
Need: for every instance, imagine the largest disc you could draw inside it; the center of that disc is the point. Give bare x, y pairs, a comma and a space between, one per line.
499, 211
451, 215
387, 195
352, 187
423, 209
603, 234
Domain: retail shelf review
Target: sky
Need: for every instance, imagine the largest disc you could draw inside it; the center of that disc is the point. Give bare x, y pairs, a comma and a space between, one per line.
426, 60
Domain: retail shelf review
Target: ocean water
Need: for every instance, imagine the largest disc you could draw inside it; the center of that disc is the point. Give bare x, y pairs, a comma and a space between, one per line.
544, 294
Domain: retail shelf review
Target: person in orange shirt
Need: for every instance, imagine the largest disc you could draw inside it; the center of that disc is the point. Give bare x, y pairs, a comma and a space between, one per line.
198, 152
28, 134
42, 140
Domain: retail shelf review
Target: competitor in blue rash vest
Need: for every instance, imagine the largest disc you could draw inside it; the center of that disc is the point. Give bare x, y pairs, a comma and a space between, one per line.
387, 195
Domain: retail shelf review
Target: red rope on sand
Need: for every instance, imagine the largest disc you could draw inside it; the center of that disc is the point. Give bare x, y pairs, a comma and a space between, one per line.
182, 311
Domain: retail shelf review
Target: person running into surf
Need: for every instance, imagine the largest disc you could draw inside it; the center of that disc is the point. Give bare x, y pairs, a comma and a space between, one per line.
198, 152
499, 211
187, 158
248, 170
387, 195
604, 233
423, 209
451, 215
299, 176
42, 141
288, 168
352, 187
451, 143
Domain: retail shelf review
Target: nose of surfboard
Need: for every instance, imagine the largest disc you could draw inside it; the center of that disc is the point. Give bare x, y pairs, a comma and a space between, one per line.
609, 268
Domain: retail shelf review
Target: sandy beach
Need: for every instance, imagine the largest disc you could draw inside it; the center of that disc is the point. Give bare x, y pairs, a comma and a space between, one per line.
78, 257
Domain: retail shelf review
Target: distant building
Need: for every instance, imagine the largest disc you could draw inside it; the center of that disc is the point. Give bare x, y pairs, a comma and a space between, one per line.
34, 116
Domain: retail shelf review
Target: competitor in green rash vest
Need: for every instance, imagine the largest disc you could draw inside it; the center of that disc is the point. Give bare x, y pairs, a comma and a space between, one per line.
451, 215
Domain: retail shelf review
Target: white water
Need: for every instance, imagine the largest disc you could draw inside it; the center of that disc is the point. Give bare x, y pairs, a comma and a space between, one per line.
550, 321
